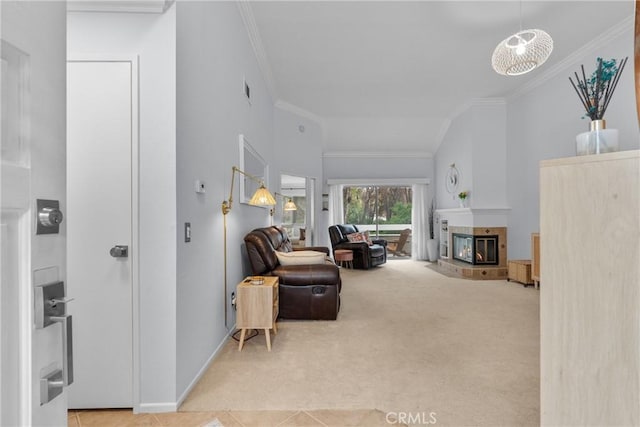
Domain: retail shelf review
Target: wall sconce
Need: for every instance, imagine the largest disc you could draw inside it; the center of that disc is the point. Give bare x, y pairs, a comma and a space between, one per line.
262, 197
288, 206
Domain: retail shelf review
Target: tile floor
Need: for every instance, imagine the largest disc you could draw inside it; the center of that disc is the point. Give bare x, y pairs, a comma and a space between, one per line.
320, 418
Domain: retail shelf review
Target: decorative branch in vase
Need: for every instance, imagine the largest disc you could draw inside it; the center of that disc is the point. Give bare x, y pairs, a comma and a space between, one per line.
595, 95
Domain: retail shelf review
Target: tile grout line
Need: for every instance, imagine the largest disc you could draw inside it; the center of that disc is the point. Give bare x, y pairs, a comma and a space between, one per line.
157, 420
234, 418
325, 425
288, 418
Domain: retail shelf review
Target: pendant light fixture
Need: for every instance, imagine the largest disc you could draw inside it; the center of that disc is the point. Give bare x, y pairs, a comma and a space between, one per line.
522, 52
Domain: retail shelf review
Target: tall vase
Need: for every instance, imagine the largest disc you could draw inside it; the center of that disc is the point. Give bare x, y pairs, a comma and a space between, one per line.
598, 140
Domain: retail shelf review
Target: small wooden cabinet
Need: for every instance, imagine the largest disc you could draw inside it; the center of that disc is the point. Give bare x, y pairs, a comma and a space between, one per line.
519, 270
257, 307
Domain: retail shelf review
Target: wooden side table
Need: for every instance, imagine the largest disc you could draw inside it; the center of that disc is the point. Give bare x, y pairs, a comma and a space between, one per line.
520, 271
257, 307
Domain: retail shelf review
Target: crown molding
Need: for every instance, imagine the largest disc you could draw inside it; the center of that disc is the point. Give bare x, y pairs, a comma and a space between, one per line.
378, 181
248, 18
378, 154
476, 102
120, 6
624, 26
285, 106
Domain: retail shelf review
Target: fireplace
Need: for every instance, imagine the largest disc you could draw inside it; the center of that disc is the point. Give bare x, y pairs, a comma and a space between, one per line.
475, 250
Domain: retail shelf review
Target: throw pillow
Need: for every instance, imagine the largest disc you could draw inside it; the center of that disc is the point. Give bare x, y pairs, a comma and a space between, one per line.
360, 236
300, 258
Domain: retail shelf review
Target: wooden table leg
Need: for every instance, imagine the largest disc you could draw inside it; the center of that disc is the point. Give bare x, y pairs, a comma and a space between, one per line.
242, 334
268, 337
275, 329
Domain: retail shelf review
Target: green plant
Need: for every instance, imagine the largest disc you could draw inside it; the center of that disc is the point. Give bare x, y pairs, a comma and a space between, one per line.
463, 195
596, 91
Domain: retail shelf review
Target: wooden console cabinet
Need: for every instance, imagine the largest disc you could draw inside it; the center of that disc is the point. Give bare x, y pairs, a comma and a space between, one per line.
590, 297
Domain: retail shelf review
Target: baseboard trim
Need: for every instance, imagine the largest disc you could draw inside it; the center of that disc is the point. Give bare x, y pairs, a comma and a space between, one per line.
147, 408
201, 372
173, 406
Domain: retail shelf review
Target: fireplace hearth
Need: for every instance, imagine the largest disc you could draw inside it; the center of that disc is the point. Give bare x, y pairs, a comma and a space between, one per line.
475, 250
477, 253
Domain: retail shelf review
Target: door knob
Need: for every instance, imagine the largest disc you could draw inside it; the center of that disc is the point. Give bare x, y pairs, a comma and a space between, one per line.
119, 251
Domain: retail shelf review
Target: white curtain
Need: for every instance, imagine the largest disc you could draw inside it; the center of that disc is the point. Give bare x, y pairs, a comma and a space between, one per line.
419, 221
336, 204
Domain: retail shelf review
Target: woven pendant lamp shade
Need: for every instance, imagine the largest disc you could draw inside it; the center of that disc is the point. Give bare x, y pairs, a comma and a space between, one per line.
522, 52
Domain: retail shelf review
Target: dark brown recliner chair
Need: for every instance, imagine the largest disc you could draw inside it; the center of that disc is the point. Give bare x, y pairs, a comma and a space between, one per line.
306, 291
365, 256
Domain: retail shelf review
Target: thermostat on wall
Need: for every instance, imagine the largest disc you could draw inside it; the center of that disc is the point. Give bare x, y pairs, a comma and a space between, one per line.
199, 186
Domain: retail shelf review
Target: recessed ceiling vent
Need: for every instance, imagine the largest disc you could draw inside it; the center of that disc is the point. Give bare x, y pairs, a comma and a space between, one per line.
247, 91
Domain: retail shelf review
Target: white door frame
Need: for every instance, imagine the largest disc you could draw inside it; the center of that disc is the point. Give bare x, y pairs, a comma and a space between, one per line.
135, 186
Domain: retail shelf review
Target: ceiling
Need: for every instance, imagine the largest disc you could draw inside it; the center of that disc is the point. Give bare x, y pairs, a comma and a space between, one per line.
387, 76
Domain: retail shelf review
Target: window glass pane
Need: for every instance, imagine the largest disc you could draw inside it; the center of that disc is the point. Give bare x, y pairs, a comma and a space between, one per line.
383, 210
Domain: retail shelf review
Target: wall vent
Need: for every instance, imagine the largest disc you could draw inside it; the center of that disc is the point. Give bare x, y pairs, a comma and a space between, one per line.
247, 90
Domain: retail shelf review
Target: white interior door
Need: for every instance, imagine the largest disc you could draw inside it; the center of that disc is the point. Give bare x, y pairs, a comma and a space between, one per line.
102, 124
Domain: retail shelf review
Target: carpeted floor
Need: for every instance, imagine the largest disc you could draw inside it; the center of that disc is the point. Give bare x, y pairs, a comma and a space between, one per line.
407, 339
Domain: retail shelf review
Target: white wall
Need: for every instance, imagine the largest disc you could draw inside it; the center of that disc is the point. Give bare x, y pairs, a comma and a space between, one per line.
456, 148
476, 143
378, 133
489, 156
152, 37
539, 124
300, 154
543, 124
375, 165
214, 54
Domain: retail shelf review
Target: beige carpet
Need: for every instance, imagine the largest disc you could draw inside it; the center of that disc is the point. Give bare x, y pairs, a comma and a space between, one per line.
407, 339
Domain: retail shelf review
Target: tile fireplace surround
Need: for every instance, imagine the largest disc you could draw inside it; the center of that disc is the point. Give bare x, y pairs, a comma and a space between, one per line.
475, 222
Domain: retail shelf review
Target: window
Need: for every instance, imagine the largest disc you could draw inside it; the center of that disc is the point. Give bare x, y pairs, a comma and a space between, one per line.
383, 210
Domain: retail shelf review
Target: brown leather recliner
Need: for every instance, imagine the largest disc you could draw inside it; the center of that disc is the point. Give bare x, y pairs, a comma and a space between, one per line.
365, 256
306, 291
